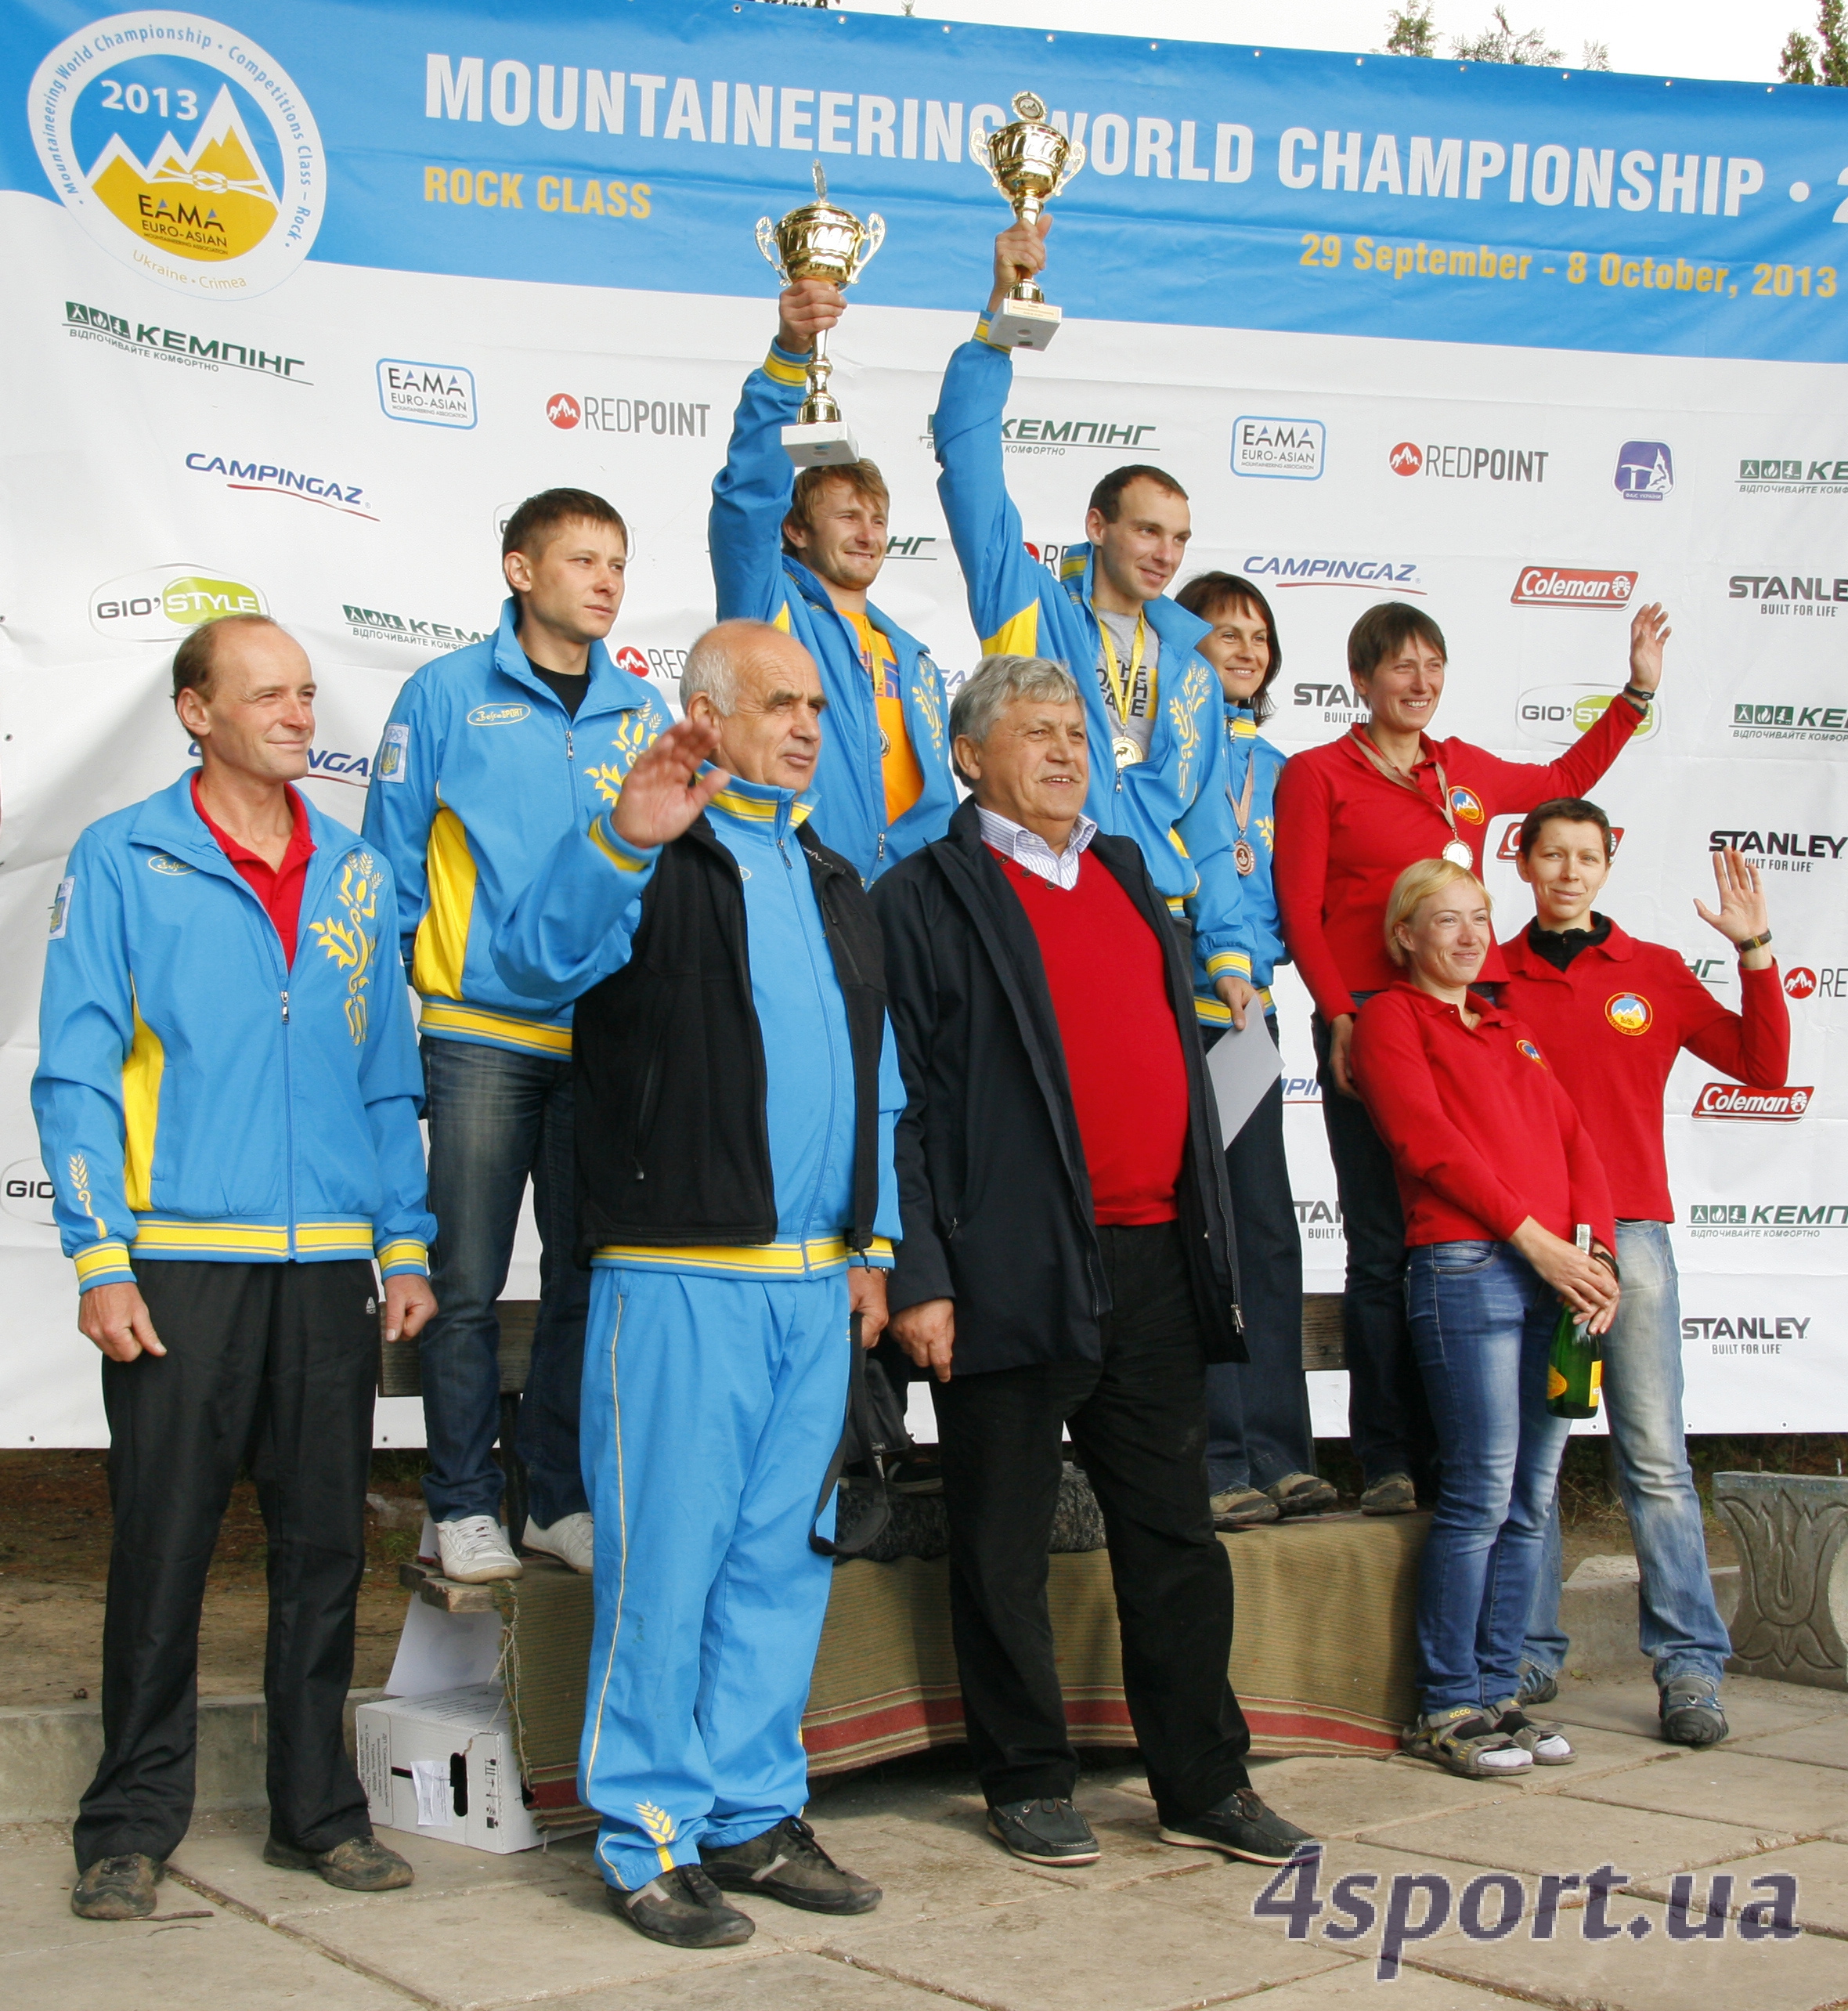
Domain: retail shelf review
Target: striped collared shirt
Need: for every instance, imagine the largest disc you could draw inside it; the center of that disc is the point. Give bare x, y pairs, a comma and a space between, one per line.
1031, 851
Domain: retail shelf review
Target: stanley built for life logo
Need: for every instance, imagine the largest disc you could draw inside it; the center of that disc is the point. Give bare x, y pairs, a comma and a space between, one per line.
183, 149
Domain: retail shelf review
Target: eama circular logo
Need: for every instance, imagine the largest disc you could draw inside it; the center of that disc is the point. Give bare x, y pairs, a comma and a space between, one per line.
184, 150
1628, 1012
1468, 805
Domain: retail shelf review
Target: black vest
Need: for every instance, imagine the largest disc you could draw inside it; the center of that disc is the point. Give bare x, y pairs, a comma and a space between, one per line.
668, 1080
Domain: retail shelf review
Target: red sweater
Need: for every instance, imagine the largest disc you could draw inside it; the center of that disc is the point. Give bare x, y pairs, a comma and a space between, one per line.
1614, 1021
278, 887
1482, 1134
1122, 1048
1345, 833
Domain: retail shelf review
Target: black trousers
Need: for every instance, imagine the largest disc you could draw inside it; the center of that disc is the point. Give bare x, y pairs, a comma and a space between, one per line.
272, 1366
1138, 1424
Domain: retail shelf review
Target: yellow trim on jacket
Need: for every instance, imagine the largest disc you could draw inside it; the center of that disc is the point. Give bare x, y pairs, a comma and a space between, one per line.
441, 1016
141, 1110
819, 1254
441, 947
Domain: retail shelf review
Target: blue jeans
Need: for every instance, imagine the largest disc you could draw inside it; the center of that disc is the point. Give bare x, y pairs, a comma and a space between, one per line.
496, 1118
1481, 1321
1679, 1626
1257, 1411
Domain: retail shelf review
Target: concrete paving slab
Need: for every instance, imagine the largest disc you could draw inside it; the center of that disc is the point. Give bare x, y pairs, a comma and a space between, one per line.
1724, 1786
772, 1983
1346, 1989
1823, 1745
1820, 1869
1334, 1798
1653, 1973
1752, 1705
1132, 1955
1565, 1833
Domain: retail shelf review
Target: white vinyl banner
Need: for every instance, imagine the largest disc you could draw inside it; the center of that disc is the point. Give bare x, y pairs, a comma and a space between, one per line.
327, 411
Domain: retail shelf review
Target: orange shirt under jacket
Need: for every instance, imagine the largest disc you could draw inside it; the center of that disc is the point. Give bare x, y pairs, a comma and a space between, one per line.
1481, 1132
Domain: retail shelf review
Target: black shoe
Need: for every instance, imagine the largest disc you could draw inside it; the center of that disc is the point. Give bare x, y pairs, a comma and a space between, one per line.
117, 1888
357, 1864
786, 1863
1392, 1494
1691, 1712
1303, 1494
1242, 1827
1046, 1831
684, 1909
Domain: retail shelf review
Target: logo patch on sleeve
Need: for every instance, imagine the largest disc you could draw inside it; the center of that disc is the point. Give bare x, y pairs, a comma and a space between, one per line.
61, 908
394, 754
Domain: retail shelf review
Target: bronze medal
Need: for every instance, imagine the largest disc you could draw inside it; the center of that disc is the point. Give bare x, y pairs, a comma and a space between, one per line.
1244, 858
1458, 853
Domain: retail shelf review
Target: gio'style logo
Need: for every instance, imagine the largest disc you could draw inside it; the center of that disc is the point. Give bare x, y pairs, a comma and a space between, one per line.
171, 161
159, 605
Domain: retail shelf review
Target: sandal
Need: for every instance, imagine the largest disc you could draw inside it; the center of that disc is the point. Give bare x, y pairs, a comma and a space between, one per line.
1463, 1740
1545, 1740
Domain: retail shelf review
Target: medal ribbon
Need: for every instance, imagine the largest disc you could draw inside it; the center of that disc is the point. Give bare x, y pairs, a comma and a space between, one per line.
1241, 804
1395, 774
1127, 692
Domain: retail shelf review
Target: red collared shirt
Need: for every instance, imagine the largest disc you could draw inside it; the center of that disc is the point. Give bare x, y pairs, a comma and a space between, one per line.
1614, 1021
1481, 1131
278, 887
1345, 833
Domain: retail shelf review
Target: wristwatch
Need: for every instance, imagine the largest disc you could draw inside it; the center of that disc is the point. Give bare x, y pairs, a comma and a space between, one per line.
1753, 942
1638, 697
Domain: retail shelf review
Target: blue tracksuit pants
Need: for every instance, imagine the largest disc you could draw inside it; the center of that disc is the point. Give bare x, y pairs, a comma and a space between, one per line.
712, 1406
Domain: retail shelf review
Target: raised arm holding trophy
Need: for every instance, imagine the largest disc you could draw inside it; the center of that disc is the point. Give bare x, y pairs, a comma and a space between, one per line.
1030, 162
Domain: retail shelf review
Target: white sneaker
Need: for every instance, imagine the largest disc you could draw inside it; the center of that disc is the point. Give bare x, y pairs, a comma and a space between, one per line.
571, 1539
474, 1551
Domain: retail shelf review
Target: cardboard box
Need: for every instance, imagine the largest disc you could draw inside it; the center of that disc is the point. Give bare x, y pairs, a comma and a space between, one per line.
445, 1766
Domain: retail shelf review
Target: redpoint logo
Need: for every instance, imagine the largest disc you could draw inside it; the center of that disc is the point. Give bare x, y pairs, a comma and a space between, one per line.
1406, 458
630, 658
1799, 983
563, 410
1571, 586
1731, 1099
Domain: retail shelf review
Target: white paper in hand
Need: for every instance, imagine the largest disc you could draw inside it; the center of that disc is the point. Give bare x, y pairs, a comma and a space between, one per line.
1241, 1068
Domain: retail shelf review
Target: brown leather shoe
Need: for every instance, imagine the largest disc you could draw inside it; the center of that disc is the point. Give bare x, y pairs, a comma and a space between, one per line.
358, 1864
117, 1888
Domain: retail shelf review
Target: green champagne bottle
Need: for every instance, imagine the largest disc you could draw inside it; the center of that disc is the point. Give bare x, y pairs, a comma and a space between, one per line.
1575, 1362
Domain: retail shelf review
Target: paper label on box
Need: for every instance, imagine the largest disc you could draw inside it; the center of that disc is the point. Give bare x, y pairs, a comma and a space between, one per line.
435, 1809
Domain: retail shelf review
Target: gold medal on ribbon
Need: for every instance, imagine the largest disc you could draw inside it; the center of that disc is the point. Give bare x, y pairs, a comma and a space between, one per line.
1127, 752
1125, 690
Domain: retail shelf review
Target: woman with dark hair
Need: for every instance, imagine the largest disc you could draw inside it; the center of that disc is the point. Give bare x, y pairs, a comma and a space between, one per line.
1261, 1448
1352, 815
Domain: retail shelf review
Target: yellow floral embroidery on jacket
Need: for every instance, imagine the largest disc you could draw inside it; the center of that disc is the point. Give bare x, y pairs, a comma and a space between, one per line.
350, 942
1183, 709
631, 740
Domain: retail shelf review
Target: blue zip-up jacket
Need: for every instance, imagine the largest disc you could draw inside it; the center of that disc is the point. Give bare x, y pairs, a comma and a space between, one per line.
480, 772
756, 579
1261, 927
573, 927
1168, 804
197, 1099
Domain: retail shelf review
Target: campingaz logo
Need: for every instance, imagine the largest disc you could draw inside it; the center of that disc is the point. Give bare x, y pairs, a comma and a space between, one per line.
1373, 575
1279, 449
271, 478
1645, 472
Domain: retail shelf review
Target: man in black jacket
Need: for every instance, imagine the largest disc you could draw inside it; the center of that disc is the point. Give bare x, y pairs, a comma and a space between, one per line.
736, 1087
1066, 1259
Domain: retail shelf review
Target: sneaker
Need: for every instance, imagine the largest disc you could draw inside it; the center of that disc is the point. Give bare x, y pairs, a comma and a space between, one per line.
117, 1888
358, 1863
1048, 1830
1545, 1740
1392, 1494
474, 1549
1303, 1494
571, 1539
1537, 1686
1691, 1712
1242, 1827
786, 1863
684, 1909
1243, 1508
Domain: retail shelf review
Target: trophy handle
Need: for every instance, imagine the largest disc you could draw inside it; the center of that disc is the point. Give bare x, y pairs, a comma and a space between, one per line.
1074, 160
766, 243
875, 237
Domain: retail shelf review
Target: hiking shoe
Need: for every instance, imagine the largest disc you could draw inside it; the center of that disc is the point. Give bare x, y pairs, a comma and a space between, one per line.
1691, 1712
474, 1551
117, 1888
1464, 1740
786, 1863
571, 1539
358, 1864
1391, 1495
1243, 1508
1302, 1494
1049, 1831
683, 1909
1537, 1686
1242, 1827
1545, 1740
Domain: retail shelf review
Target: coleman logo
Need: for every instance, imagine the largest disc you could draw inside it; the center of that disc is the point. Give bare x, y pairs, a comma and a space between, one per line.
1731, 1099
1628, 1012
1510, 847
499, 715
1571, 586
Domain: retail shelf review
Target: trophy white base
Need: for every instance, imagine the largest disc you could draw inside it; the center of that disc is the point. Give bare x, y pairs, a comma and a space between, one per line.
1023, 324
830, 444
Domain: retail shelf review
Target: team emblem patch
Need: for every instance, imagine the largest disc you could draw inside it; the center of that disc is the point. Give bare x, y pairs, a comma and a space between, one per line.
1468, 805
1533, 1052
1628, 1012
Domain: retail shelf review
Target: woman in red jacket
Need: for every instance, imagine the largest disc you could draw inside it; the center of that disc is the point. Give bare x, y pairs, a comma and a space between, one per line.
1495, 1175
1351, 816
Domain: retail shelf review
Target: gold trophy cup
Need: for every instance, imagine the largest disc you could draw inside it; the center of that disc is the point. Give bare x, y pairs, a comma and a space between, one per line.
820, 241
1030, 162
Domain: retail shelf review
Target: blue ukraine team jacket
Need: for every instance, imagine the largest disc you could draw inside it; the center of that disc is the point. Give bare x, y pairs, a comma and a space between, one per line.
574, 926
481, 770
1261, 931
195, 1098
756, 580
1170, 803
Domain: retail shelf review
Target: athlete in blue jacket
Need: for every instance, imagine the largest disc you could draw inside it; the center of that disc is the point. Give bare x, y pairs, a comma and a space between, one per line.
227, 1098
737, 1091
803, 552
1154, 705
490, 755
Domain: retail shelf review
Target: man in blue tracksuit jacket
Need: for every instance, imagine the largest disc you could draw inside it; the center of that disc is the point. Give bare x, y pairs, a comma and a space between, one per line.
491, 754
737, 1088
227, 1097
1152, 705
802, 552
